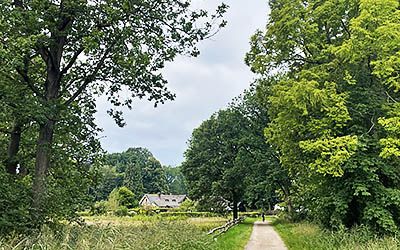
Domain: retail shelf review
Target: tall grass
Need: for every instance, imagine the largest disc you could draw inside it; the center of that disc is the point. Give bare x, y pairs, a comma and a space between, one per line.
141, 235
307, 236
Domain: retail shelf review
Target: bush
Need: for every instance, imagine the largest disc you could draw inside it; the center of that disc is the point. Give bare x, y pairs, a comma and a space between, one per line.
121, 197
99, 208
188, 214
121, 211
187, 206
14, 203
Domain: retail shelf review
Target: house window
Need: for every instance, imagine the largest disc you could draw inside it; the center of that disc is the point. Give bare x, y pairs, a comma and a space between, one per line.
166, 200
174, 200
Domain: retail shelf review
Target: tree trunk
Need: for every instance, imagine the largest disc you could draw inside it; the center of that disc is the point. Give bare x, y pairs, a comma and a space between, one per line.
288, 200
13, 148
235, 209
43, 154
289, 205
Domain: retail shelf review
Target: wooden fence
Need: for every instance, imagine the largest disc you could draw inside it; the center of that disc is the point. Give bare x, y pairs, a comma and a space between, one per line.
222, 229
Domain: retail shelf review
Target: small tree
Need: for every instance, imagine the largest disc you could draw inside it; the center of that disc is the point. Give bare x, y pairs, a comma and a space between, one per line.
121, 197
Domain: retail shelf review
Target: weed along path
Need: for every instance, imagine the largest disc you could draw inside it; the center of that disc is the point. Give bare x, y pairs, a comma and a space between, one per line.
264, 237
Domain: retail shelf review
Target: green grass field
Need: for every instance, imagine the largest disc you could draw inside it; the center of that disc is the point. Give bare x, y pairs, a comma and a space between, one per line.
306, 236
132, 233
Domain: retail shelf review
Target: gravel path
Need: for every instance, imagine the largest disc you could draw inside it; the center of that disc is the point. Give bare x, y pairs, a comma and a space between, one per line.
264, 237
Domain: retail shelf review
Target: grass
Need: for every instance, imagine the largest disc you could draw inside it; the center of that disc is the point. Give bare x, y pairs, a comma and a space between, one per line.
132, 233
236, 238
121, 233
307, 236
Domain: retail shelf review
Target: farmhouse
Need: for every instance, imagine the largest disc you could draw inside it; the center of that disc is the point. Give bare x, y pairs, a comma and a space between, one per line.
162, 200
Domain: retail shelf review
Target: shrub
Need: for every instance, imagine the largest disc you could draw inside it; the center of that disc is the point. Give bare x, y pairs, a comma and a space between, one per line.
99, 208
121, 197
188, 214
187, 206
14, 203
121, 211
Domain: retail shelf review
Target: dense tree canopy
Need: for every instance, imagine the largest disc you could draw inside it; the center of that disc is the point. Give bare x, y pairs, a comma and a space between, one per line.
136, 169
229, 158
334, 106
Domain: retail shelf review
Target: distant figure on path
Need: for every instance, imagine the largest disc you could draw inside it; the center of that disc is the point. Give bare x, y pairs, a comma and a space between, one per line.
263, 216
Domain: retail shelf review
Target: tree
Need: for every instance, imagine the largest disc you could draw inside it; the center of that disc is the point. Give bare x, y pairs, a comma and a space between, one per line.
229, 158
154, 178
142, 172
265, 176
333, 105
74, 50
176, 180
109, 179
211, 164
121, 197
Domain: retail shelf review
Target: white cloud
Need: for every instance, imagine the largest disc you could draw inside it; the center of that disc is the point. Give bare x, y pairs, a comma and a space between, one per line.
203, 85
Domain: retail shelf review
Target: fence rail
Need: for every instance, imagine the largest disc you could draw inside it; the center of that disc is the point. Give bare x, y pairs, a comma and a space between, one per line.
229, 224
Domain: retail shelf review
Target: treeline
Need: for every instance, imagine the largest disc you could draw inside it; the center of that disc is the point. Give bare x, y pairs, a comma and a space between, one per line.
328, 95
139, 171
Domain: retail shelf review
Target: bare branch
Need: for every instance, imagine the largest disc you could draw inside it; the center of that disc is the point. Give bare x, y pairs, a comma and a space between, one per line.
90, 78
345, 28
72, 61
372, 127
390, 97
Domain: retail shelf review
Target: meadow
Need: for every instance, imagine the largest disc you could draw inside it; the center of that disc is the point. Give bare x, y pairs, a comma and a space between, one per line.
151, 232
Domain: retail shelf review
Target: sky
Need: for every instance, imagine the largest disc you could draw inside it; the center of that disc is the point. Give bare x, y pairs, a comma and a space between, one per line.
203, 85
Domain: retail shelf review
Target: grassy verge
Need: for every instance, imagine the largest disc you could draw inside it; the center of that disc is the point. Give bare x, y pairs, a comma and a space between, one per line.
236, 238
307, 236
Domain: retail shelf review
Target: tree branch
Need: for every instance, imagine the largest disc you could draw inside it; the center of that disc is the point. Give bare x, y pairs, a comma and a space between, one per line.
5, 131
91, 77
345, 28
72, 61
24, 74
390, 97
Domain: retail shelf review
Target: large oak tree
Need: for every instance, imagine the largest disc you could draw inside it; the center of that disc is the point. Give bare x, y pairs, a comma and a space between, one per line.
64, 53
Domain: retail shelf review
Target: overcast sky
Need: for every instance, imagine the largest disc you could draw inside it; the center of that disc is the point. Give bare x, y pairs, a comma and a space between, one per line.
203, 85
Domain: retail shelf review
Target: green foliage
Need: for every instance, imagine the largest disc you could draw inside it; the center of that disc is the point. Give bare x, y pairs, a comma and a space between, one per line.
176, 180
57, 57
121, 197
188, 206
137, 169
188, 214
14, 203
333, 105
228, 160
309, 236
236, 238
109, 179
121, 211
99, 208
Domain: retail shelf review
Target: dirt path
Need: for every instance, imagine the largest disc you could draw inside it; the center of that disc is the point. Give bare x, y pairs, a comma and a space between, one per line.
264, 237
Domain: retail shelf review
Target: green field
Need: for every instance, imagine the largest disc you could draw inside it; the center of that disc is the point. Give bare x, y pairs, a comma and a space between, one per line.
307, 236
135, 233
